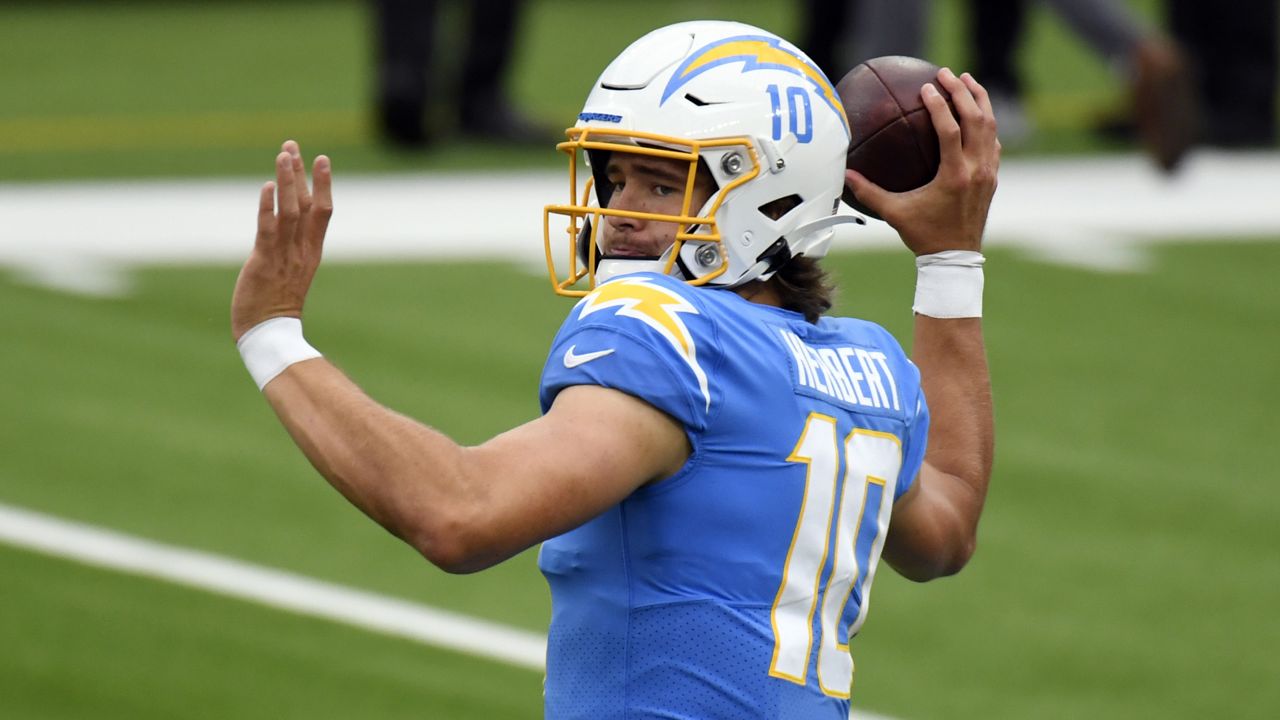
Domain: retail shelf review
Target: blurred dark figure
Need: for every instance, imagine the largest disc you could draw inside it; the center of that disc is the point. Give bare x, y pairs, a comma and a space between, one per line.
1232, 48
842, 33
1164, 112
839, 34
410, 83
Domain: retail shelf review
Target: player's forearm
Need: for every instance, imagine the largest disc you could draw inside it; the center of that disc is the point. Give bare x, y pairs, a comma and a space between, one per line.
404, 475
953, 366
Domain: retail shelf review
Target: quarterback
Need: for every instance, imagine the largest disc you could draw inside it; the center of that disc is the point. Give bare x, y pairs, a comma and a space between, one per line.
719, 466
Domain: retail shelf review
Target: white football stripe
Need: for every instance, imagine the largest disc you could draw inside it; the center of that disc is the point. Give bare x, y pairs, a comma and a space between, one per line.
274, 588
1098, 212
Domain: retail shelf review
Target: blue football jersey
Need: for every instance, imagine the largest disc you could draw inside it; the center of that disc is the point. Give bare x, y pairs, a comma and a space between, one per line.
731, 589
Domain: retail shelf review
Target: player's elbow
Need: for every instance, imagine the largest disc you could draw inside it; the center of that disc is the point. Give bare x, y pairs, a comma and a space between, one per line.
955, 554
454, 543
960, 555
943, 557
448, 551
444, 553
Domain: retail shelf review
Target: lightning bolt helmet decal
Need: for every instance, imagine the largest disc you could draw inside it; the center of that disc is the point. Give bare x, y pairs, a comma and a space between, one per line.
755, 52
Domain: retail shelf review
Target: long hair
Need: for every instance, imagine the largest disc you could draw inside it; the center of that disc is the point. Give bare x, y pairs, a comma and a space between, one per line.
801, 283
804, 287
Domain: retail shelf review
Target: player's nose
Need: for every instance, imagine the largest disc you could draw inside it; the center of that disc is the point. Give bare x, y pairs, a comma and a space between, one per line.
621, 222
625, 199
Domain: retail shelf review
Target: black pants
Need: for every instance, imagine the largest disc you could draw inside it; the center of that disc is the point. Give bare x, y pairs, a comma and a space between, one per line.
1232, 46
406, 36
996, 29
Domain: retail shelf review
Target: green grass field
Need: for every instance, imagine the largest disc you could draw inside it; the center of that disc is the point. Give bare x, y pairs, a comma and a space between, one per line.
1127, 564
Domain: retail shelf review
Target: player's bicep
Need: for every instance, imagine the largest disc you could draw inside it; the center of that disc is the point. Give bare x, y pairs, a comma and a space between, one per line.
929, 536
592, 448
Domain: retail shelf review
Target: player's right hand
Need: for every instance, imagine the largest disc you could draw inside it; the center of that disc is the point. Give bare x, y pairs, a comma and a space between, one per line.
949, 212
286, 252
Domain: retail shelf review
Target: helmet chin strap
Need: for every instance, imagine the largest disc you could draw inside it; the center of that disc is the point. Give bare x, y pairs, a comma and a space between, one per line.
760, 270
608, 269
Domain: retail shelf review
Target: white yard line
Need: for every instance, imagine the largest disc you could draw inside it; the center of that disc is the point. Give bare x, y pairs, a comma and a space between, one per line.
1095, 212
275, 588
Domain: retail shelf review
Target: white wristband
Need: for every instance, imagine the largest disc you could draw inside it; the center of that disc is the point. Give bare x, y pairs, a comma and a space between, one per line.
949, 284
273, 345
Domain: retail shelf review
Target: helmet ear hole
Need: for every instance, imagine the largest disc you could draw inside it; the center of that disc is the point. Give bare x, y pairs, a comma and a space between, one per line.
598, 160
776, 209
584, 243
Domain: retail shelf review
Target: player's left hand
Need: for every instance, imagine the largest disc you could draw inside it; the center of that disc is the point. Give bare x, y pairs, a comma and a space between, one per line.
275, 279
949, 212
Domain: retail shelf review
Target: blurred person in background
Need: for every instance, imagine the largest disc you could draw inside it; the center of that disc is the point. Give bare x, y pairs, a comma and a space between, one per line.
719, 466
1163, 113
839, 34
411, 90
1232, 47
1163, 108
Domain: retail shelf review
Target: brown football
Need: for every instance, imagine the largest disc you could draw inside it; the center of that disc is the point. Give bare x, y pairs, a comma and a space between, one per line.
893, 141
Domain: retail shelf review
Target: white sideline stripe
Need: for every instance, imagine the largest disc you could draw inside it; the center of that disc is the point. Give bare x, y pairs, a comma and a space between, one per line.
278, 589
1096, 212
286, 591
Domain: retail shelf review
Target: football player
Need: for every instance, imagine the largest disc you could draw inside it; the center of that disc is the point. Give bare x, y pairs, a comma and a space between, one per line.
719, 466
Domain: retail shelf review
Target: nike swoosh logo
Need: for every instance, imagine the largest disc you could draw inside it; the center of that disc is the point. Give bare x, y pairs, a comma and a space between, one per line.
573, 360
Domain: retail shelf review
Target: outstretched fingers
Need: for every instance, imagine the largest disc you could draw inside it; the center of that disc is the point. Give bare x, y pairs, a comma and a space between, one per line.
287, 196
299, 172
321, 208
292, 221
266, 214
322, 177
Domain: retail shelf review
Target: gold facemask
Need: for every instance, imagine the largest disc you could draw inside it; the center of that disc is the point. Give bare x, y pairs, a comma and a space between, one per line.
582, 215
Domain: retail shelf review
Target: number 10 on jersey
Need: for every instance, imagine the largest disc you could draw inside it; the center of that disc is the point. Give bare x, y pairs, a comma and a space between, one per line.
871, 461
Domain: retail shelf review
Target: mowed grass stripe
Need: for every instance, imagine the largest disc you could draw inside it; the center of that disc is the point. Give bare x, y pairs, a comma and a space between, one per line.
174, 130
243, 129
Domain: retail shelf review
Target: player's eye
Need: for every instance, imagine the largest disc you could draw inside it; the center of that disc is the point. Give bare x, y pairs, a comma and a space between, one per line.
615, 191
663, 190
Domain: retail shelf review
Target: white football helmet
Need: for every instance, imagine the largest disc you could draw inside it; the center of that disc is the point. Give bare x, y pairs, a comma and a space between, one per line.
748, 106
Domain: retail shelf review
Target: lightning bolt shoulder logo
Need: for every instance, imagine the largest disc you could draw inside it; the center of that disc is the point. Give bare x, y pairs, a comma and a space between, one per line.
755, 52
655, 306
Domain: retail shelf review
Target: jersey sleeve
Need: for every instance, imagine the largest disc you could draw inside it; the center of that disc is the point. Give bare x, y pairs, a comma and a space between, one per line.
640, 337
